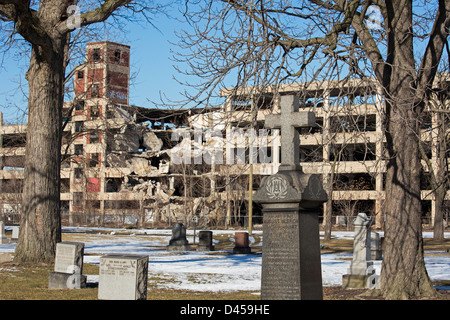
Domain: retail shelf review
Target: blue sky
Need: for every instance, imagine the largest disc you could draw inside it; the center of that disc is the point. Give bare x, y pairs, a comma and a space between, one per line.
150, 59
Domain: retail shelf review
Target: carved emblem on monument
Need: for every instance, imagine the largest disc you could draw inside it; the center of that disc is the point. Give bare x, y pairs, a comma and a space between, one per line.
276, 188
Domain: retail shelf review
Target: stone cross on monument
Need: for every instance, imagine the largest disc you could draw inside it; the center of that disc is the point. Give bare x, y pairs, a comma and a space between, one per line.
289, 121
291, 200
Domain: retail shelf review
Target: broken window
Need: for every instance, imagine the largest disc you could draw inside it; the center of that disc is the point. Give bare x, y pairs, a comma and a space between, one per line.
65, 185
109, 111
95, 112
114, 184
78, 173
79, 149
94, 137
79, 105
117, 55
78, 126
95, 90
13, 140
94, 160
78, 199
96, 55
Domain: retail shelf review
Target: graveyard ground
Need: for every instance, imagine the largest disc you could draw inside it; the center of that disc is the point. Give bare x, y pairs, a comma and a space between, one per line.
30, 281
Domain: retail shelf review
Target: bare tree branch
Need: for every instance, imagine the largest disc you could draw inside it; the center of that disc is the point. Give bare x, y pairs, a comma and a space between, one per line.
434, 50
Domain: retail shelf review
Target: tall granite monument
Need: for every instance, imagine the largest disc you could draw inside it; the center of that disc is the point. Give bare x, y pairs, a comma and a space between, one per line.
291, 199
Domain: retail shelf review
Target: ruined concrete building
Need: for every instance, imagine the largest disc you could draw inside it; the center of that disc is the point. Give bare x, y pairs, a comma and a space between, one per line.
159, 165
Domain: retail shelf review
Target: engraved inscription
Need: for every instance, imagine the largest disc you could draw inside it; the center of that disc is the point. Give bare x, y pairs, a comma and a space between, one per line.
281, 261
65, 258
119, 267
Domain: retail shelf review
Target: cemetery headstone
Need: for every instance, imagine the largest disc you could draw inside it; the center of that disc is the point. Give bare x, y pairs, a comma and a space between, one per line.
15, 233
178, 242
5, 257
3, 238
361, 273
68, 272
241, 243
291, 200
205, 241
123, 277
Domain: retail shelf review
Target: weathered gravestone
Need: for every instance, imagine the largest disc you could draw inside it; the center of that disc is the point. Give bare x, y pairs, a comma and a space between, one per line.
291, 200
3, 238
178, 242
68, 272
205, 240
241, 243
123, 277
361, 273
15, 233
5, 257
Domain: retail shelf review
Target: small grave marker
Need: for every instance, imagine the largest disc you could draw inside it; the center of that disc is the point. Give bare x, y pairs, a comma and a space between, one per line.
178, 242
205, 241
3, 238
241, 243
123, 277
68, 266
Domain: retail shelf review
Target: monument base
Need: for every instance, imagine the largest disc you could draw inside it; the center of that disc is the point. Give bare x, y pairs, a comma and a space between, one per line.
242, 250
60, 280
205, 248
183, 247
357, 281
291, 268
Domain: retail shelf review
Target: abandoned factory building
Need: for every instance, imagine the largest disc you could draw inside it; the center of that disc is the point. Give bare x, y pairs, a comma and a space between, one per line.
151, 166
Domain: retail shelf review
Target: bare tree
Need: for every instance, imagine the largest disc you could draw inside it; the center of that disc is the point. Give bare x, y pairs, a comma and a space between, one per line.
436, 161
47, 26
263, 43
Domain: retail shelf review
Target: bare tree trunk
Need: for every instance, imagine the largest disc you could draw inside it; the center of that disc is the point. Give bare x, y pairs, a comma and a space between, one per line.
40, 219
438, 228
440, 183
404, 256
327, 224
47, 25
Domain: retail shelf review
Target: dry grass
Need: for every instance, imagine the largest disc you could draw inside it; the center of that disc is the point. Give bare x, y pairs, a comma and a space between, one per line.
30, 281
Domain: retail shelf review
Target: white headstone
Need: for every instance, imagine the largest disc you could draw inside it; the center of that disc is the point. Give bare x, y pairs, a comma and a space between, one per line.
69, 257
68, 266
123, 277
3, 238
361, 263
15, 233
361, 273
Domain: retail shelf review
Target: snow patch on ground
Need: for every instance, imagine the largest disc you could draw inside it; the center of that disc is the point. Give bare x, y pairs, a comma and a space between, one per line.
206, 271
